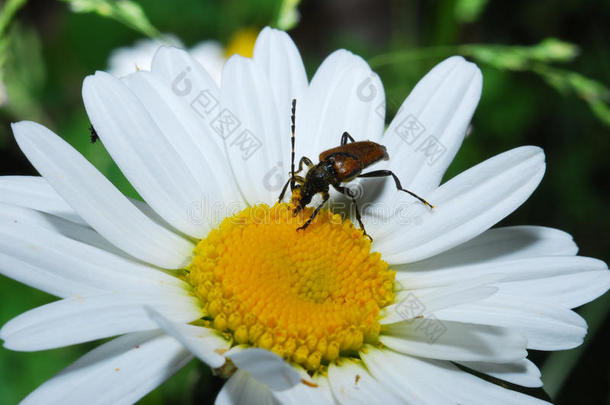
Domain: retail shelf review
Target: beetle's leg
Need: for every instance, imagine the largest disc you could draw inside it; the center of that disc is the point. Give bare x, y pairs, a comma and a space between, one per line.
345, 137
348, 192
297, 179
304, 160
325, 197
292, 136
384, 173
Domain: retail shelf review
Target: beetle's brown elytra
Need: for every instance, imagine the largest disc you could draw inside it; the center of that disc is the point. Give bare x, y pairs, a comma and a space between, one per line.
336, 166
355, 157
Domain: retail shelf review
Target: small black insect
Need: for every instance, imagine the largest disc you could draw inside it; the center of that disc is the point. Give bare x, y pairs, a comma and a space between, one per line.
337, 166
94, 136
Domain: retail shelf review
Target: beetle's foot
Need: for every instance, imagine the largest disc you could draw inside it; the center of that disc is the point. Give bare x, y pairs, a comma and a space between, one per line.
303, 227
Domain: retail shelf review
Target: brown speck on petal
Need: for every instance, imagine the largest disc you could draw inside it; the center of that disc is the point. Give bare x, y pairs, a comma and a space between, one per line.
309, 383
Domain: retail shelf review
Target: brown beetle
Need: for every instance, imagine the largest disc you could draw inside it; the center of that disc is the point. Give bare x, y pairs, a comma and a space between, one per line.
337, 165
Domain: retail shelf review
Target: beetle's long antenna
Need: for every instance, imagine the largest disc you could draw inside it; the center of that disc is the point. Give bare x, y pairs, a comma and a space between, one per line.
294, 106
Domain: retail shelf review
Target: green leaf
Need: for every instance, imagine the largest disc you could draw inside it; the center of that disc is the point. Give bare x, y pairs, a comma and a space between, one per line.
124, 11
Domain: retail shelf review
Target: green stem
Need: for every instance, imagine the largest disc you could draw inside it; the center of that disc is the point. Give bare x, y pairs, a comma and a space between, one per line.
8, 12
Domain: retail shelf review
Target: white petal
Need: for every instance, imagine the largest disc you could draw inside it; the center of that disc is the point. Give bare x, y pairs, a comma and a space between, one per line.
210, 54
344, 95
393, 374
495, 245
351, 383
35, 193
567, 290
306, 394
180, 124
522, 372
437, 382
128, 59
243, 389
149, 161
252, 140
69, 229
567, 281
441, 105
465, 206
67, 259
412, 304
279, 59
202, 342
547, 326
118, 372
267, 367
189, 81
82, 319
96, 200
527, 270
432, 338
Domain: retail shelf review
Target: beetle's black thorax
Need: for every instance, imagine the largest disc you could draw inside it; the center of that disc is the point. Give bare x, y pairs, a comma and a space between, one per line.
317, 180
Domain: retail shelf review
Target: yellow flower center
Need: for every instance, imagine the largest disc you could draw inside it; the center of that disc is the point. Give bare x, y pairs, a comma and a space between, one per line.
242, 43
308, 295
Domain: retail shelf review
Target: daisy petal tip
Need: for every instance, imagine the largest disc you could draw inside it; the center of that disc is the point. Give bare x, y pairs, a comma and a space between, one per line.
532, 150
163, 51
193, 338
89, 88
457, 61
22, 128
267, 367
96, 81
454, 60
267, 31
465, 64
235, 59
271, 37
28, 132
97, 75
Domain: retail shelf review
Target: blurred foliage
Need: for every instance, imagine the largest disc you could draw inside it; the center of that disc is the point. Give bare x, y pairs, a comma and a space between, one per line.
9, 10
48, 47
535, 58
25, 73
124, 11
288, 15
521, 57
593, 92
467, 11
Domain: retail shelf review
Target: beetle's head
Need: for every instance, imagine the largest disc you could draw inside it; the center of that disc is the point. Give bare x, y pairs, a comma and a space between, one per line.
301, 196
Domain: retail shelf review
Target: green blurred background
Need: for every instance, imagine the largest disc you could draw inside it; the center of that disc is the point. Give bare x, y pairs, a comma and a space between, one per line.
546, 66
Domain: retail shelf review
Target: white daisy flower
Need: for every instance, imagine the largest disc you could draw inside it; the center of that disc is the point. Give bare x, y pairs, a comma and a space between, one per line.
205, 269
125, 60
